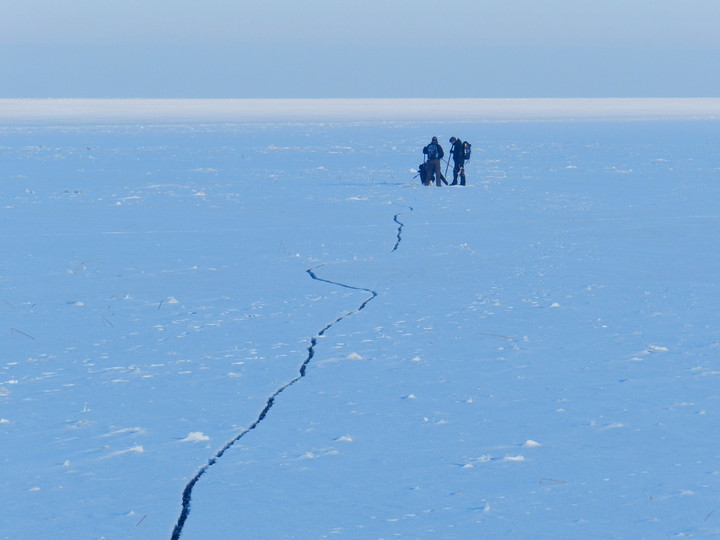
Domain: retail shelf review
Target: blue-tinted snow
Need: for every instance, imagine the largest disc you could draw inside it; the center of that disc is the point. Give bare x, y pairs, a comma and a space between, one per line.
541, 359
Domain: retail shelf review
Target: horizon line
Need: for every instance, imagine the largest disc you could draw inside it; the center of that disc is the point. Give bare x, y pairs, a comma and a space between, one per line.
14, 111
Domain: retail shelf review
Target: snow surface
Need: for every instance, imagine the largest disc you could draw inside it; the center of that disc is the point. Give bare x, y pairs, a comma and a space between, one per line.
348, 354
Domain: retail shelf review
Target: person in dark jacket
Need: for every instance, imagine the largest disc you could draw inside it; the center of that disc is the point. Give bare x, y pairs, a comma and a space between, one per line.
434, 153
457, 150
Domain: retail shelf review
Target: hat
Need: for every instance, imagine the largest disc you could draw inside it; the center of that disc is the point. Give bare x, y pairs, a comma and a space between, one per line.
453, 139
434, 139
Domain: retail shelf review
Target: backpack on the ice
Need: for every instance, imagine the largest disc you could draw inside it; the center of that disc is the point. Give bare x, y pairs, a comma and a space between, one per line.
432, 151
467, 148
422, 171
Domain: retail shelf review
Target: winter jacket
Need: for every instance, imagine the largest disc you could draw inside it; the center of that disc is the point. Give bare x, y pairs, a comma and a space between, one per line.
458, 151
440, 152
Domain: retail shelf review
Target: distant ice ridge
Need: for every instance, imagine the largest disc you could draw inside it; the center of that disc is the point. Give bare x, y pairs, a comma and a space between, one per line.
101, 111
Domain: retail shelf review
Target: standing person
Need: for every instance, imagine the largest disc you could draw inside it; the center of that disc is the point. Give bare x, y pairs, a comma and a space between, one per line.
458, 154
434, 154
467, 148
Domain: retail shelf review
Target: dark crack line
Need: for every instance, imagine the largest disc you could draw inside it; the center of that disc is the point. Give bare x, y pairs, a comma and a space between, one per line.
187, 492
400, 228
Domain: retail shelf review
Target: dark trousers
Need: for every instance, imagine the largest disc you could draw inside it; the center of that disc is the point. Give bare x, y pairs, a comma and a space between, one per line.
434, 169
459, 169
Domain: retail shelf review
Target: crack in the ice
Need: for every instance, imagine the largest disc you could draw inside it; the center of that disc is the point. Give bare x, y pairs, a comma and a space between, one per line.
400, 228
187, 492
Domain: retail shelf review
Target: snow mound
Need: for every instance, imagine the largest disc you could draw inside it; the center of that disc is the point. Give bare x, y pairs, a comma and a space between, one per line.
195, 437
124, 431
137, 449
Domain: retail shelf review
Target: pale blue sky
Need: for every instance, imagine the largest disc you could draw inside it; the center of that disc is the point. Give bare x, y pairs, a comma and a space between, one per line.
368, 48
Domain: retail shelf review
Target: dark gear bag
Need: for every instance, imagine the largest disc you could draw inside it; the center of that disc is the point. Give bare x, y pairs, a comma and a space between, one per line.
422, 170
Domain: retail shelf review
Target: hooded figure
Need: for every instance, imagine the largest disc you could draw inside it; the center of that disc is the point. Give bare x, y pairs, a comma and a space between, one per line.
434, 153
458, 154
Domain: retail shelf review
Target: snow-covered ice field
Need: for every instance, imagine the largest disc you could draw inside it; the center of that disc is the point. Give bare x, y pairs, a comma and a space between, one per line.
280, 311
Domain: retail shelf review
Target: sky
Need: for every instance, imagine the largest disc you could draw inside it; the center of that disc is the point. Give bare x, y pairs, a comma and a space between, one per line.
373, 48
